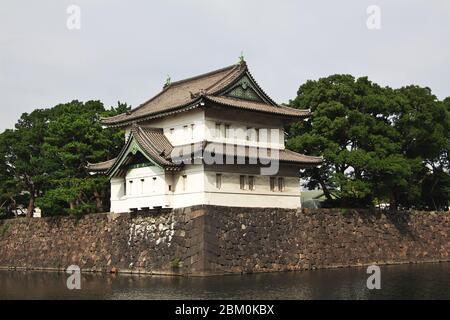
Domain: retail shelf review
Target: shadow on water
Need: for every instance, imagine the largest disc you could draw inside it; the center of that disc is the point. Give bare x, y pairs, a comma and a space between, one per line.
424, 281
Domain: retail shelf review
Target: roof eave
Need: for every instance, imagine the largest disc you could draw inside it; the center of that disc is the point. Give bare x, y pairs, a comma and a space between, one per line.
177, 109
304, 114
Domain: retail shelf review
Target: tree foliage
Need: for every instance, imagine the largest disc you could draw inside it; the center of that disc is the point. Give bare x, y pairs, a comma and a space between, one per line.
46, 157
379, 144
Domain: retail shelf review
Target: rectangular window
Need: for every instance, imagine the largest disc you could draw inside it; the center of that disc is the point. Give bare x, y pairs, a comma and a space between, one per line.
242, 182
184, 178
272, 183
192, 130
227, 131
172, 130
218, 180
217, 130
269, 137
251, 183
252, 134
154, 184
125, 188
142, 185
281, 184
185, 131
131, 187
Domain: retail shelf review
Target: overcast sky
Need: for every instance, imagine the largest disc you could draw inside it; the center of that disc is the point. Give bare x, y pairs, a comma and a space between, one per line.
125, 49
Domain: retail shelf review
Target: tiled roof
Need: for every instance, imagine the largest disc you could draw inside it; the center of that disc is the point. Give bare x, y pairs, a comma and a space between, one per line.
101, 166
151, 141
180, 93
257, 106
283, 155
154, 143
189, 93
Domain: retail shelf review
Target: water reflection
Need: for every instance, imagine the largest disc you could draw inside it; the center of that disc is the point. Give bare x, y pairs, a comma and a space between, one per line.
425, 281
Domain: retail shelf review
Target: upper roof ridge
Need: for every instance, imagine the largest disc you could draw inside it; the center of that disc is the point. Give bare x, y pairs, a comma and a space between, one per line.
188, 93
203, 75
241, 66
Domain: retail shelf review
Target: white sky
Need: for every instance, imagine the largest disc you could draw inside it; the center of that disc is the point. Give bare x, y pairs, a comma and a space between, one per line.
125, 49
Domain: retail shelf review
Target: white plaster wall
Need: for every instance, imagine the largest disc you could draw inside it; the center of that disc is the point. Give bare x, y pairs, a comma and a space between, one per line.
156, 192
148, 193
231, 194
204, 128
231, 183
194, 193
177, 122
253, 200
237, 134
200, 188
117, 188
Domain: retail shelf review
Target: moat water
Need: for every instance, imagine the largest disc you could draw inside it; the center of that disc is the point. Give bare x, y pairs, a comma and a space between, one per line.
418, 281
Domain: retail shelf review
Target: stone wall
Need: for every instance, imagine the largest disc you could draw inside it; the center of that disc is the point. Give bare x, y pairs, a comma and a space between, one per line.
211, 239
158, 242
255, 240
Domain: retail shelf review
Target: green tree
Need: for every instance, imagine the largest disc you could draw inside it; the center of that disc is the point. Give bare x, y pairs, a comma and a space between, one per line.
423, 122
45, 159
25, 176
379, 144
74, 138
8, 185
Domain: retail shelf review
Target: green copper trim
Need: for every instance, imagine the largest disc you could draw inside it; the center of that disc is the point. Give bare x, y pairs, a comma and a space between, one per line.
132, 148
140, 165
244, 89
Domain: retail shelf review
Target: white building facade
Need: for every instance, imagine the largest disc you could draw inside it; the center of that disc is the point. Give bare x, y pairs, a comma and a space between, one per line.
213, 139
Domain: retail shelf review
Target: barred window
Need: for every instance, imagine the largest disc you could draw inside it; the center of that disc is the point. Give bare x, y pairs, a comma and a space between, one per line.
227, 131
142, 185
192, 130
131, 187
251, 183
280, 184
272, 183
218, 180
217, 130
242, 182
184, 182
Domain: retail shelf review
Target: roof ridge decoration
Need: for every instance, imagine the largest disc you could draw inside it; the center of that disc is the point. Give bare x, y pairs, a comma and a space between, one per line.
241, 67
244, 86
168, 81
